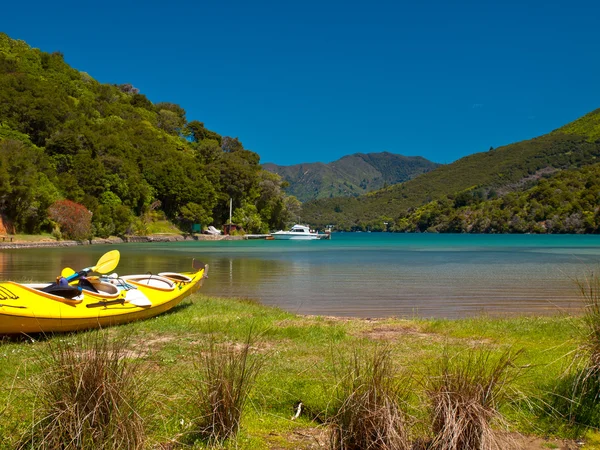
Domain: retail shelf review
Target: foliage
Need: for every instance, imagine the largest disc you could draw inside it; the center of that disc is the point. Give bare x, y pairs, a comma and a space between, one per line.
566, 201
504, 169
74, 219
588, 125
63, 135
247, 216
192, 213
26, 188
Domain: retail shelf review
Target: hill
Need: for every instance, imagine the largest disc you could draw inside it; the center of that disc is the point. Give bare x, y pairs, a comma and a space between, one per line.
67, 140
493, 173
565, 201
351, 175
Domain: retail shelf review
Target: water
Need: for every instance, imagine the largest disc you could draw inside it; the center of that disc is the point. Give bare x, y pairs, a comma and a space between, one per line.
360, 274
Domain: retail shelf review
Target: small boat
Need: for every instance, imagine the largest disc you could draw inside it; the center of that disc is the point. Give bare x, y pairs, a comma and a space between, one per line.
98, 302
299, 232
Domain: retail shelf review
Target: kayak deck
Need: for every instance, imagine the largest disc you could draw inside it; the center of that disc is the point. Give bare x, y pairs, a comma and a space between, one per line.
24, 308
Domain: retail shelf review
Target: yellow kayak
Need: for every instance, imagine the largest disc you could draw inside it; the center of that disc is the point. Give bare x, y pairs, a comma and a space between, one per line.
103, 301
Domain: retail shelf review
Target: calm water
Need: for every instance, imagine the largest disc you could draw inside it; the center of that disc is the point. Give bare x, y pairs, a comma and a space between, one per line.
360, 274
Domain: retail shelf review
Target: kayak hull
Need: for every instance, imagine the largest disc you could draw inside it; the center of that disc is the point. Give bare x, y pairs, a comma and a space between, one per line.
25, 310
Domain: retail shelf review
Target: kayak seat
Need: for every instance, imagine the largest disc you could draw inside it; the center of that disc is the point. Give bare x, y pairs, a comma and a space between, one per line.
87, 285
61, 291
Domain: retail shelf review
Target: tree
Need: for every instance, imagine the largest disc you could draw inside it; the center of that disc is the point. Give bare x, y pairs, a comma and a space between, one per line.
192, 213
111, 217
231, 145
208, 151
198, 132
26, 188
247, 216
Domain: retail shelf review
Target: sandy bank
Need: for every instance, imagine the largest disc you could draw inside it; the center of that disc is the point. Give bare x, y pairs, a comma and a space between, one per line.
114, 240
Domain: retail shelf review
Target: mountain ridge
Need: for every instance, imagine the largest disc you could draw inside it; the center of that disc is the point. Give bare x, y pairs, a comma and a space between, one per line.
350, 175
573, 145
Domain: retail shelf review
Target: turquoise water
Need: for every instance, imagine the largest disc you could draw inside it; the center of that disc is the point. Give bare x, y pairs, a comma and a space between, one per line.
361, 274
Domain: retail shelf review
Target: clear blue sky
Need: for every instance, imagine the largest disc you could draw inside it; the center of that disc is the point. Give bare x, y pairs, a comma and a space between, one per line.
315, 80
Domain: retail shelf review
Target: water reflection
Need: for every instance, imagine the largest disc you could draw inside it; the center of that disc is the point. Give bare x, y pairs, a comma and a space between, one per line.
347, 278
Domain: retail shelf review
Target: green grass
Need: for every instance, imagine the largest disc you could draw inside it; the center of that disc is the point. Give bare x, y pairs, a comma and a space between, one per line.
29, 237
162, 227
300, 355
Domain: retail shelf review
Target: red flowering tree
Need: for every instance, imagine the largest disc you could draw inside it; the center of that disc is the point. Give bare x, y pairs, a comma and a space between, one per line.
75, 220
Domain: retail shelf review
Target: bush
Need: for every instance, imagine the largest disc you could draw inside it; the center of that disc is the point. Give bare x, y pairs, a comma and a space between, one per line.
75, 220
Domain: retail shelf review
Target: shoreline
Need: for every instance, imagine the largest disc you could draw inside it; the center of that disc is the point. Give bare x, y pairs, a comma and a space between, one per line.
43, 243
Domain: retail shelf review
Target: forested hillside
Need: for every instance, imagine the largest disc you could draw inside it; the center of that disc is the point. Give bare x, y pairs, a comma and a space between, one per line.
564, 202
487, 175
351, 175
67, 140
80, 158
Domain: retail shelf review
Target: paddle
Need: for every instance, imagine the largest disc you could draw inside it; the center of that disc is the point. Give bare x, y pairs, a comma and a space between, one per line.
198, 265
67, 272
139, 300
106, 263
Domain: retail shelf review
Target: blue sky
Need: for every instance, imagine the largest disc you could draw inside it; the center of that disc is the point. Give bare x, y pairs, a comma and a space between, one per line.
316, 80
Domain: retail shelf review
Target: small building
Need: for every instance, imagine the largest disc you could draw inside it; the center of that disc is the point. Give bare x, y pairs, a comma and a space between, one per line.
228, 228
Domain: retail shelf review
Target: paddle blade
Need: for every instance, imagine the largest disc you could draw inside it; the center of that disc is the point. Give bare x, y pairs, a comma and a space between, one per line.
197, 265
107, 262
67, 272
137, 298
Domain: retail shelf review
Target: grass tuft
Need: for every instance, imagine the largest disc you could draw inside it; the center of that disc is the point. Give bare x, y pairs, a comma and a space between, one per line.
89, 394
590, 342
577, 395
369, 401
465, 393
225, 375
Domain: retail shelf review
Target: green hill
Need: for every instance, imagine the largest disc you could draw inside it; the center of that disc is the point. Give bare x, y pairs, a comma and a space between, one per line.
565, 201
351, 175
65, 136
498, 171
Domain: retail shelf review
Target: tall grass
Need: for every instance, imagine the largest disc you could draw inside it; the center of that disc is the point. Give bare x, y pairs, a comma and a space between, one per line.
590, 342
225, 375
4, 404
89, 394
577, 395
465, 392
370, 404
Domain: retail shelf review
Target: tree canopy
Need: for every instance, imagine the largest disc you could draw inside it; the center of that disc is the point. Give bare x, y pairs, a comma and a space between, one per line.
65, 136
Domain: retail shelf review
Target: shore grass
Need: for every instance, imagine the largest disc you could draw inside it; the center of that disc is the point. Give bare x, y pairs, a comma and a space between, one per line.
299, 364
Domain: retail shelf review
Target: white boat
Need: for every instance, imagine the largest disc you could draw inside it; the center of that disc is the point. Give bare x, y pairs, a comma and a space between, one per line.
299, 232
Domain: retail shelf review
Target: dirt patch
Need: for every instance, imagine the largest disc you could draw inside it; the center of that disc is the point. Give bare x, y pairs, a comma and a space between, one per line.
143, 348
390, 331
394, 332
316, 438
536, 443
